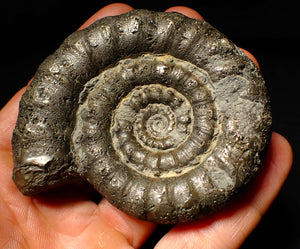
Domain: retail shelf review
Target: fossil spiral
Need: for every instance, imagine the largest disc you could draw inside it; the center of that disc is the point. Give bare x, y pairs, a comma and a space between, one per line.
160, 113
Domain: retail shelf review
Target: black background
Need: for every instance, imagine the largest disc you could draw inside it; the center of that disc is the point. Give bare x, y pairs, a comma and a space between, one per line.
31, 30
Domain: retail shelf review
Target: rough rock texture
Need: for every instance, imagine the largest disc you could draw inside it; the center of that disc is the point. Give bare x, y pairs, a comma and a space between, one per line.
161, 113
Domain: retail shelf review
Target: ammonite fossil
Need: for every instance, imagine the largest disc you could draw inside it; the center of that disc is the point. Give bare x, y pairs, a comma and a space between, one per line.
160, 113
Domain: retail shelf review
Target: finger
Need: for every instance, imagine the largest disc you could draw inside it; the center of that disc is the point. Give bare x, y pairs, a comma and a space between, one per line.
251, 57
275, 170
230, 227
185, 11
94, 225
8, 118
109, 10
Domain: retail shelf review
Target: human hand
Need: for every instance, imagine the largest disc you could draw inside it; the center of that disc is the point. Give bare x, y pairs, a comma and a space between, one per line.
70, 219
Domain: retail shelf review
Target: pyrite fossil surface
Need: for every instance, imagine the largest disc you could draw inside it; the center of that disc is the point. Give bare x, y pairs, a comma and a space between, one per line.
162, 114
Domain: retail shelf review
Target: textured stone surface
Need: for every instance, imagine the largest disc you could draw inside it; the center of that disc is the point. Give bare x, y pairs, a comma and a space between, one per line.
161, 113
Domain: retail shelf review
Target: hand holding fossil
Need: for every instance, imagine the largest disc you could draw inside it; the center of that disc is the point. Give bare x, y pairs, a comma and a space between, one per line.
108, 226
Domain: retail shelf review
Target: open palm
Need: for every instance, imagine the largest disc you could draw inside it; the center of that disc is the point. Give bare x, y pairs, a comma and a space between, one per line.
70, 219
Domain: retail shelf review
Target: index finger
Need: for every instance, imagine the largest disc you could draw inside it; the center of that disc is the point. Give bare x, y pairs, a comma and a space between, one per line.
8, 118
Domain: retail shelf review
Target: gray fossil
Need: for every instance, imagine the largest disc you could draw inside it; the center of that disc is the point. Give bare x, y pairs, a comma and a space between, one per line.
162, 114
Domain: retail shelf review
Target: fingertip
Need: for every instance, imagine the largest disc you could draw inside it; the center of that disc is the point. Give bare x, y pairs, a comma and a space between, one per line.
185, 11
8, 118
112, 9
273, 174
282, 149
251, 57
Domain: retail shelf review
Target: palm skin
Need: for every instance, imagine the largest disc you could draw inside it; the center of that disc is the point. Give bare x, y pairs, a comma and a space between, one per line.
70, 219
